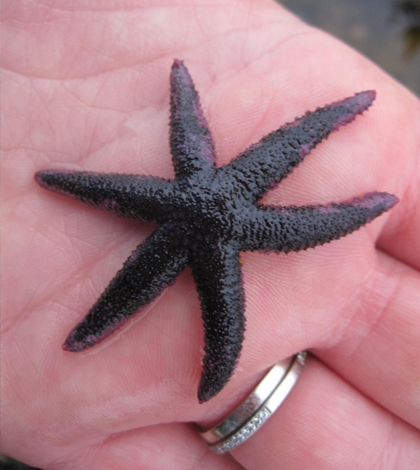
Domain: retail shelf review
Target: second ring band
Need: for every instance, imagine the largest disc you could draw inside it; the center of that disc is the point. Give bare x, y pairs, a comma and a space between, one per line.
249, 416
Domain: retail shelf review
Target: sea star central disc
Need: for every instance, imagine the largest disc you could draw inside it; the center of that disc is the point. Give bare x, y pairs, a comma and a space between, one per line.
206, 216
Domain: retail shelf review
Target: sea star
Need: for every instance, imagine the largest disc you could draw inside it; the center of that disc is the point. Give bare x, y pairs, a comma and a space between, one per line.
206, 216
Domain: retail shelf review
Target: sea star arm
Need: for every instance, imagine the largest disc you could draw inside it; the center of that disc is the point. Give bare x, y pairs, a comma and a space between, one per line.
192, 145
217, 274
154, 265
133, 196
298, 228
266, 163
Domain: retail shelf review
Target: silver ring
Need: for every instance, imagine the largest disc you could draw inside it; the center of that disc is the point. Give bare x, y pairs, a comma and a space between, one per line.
252, 413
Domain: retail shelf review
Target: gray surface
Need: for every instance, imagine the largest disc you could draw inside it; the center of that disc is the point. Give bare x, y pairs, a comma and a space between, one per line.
380, 29
7, 463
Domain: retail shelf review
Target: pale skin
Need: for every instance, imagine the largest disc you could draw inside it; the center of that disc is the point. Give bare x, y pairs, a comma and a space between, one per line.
85, 87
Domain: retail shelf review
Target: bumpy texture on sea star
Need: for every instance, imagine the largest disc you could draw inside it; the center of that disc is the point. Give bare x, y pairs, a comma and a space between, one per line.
206, 216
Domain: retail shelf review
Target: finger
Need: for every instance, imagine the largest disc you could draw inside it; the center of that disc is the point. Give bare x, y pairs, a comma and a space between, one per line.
400, 166
326, 424
378, 347
400, 236
174, 446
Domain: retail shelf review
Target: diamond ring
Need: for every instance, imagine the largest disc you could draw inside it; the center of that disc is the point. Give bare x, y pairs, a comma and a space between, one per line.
252, 413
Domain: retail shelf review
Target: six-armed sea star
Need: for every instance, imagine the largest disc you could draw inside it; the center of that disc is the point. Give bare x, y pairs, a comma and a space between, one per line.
206, 216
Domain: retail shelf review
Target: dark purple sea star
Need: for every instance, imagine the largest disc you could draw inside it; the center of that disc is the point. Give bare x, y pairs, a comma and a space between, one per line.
206, 216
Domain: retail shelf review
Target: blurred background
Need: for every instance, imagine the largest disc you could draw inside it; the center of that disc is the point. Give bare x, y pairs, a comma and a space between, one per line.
386, 31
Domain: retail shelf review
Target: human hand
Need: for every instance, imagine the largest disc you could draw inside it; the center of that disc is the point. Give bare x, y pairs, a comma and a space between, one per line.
88, 89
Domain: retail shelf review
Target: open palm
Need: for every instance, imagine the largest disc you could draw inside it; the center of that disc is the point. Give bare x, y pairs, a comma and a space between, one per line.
86, 88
